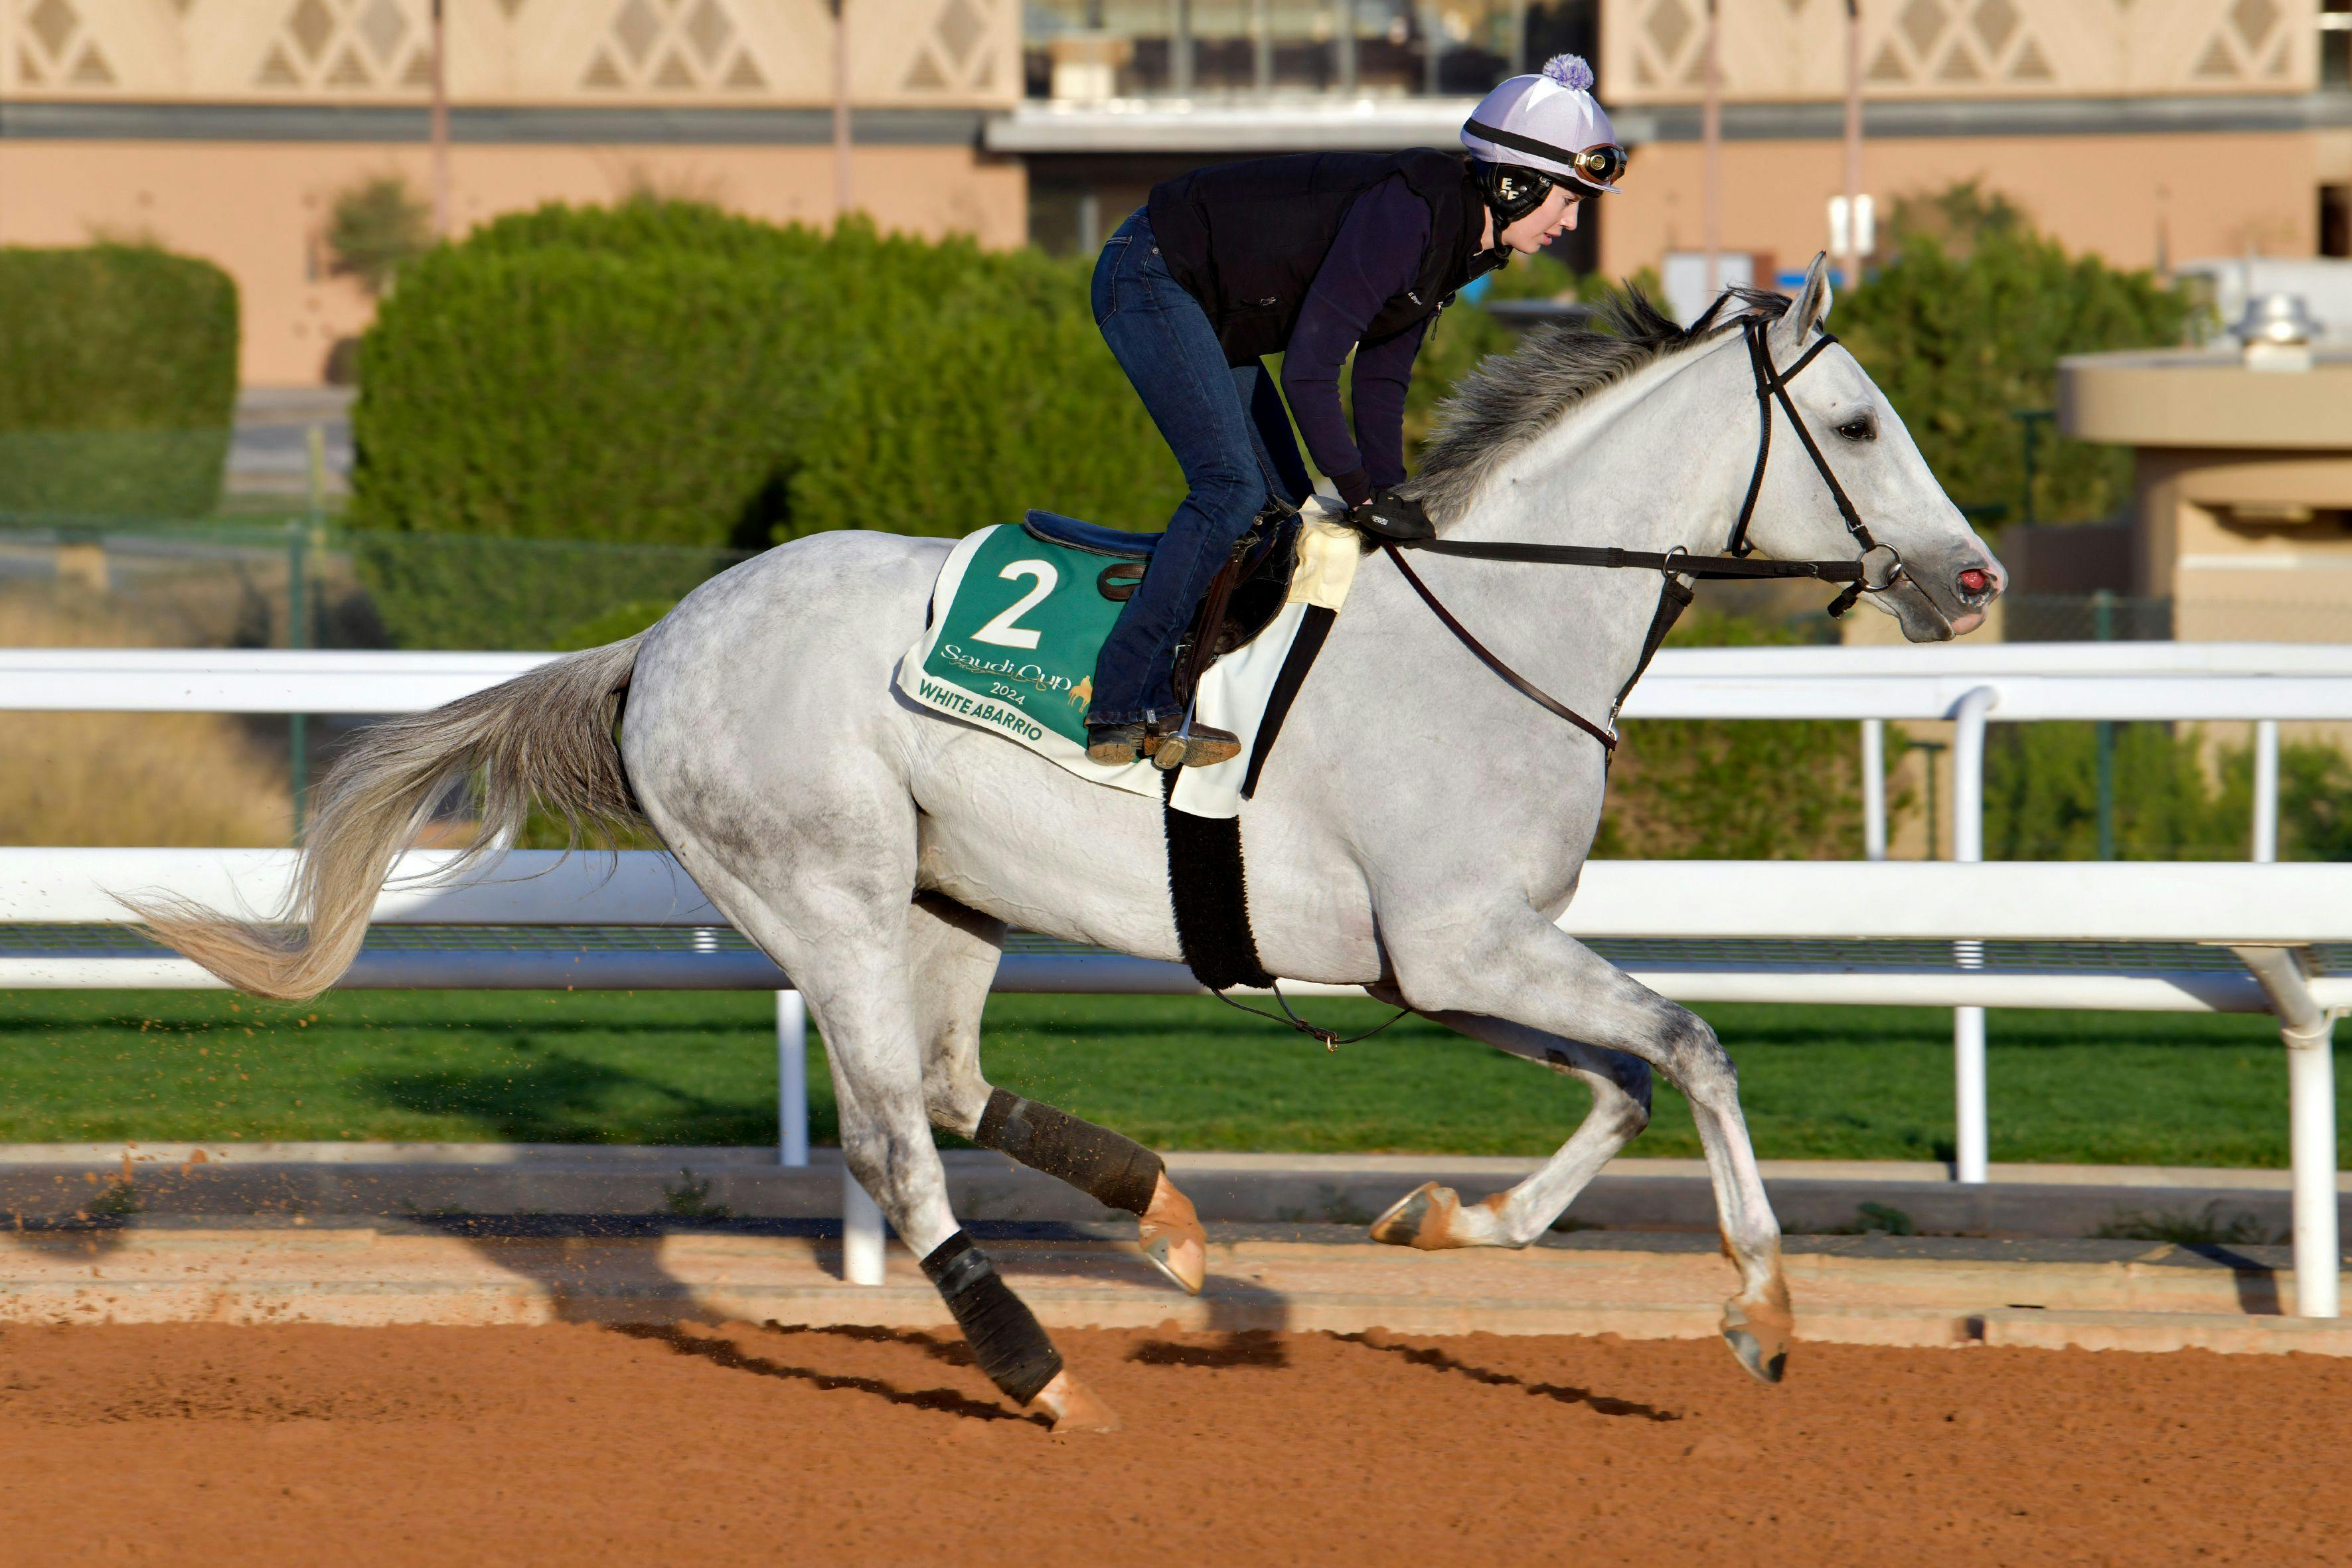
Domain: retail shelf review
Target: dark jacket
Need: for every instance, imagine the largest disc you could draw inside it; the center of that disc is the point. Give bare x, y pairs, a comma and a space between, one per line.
1246, 239
1323, 254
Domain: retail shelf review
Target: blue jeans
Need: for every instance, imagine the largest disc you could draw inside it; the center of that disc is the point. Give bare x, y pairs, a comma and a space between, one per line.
1231, 436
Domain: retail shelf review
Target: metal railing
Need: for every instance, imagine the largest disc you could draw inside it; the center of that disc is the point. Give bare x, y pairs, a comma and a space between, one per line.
1965, 934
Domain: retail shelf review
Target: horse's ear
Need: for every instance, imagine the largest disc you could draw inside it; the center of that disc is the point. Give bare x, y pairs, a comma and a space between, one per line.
1811, 310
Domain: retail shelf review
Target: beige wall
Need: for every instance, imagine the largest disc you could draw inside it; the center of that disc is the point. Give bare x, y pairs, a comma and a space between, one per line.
1792, 51
765, 52
2218, 538
259, 209
2206, 195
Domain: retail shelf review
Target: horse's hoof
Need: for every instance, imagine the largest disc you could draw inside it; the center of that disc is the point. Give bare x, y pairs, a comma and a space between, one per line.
1074, 1407
1422, 1218
1173, 1240
1761, 1348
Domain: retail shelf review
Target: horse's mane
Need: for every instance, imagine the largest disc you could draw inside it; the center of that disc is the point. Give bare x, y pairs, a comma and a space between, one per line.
1510, 399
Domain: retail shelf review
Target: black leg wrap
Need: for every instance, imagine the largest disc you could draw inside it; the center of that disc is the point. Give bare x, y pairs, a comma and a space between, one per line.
1004, 1334
1115, 1172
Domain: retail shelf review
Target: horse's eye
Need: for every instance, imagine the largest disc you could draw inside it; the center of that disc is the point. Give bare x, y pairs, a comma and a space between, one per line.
1860, 428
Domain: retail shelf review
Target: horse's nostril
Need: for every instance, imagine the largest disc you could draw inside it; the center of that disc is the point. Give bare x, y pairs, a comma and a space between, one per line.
1973, 582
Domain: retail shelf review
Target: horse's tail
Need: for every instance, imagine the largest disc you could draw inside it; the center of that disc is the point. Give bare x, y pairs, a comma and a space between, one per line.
546, 736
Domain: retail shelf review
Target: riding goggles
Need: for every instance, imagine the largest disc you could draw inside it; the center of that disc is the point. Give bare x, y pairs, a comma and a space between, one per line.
1597, 165
1600, 164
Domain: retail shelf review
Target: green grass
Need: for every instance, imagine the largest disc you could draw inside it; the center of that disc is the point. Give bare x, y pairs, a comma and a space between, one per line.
1186, 1073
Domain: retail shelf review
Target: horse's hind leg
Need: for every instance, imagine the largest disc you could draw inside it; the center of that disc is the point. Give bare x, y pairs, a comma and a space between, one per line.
1434, 1218
858, 989
954, 951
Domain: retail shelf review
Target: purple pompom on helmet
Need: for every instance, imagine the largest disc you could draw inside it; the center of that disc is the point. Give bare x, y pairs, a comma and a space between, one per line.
1570, 71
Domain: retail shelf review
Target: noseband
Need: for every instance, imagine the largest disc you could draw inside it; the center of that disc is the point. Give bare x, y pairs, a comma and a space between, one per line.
1877, 568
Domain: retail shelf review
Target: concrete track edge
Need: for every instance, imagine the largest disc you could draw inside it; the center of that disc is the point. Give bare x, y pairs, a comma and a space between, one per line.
61, 1181
370, 1275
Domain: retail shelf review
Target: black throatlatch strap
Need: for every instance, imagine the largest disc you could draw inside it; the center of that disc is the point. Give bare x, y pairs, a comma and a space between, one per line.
1115, 1172
1211, 898
1004, 1334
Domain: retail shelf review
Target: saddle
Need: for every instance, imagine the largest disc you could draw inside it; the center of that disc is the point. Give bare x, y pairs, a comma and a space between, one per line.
1244, 596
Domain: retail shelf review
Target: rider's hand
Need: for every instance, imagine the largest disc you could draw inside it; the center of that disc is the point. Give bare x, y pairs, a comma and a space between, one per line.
1388, 515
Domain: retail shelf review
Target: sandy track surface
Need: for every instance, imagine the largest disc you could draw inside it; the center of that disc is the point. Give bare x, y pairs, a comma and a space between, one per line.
742, 1444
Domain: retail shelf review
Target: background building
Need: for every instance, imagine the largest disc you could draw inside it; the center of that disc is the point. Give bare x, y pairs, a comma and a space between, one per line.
2149, 132
2155, 132
226, 127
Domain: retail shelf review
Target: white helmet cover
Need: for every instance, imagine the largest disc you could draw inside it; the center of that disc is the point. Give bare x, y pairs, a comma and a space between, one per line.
1542, 122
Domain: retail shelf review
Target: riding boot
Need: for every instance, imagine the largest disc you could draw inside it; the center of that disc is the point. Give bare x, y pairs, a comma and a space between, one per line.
1115, 745
1196, 745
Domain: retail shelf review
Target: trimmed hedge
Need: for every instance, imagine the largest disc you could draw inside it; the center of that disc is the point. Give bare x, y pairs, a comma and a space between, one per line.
666, 373
1711, 789
455, 591
1000, 397
567, 394
118, 381
1962, 336
644, 374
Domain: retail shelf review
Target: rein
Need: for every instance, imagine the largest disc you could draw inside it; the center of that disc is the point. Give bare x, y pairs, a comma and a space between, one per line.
1877, 568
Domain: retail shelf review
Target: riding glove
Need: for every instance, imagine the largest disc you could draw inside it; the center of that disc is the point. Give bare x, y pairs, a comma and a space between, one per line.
1388, 515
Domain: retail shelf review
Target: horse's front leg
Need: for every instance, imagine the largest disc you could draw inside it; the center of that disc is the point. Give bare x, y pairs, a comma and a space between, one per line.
1434, 1217
1516, 965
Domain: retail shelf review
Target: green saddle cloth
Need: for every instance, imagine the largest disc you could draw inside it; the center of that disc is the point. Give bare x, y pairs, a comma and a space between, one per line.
1016, 624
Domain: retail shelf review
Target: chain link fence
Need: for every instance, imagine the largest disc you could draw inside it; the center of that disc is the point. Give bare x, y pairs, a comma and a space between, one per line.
298, 580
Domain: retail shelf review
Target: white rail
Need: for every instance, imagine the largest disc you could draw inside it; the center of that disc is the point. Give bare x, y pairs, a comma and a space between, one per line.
2222, 901
2266, 912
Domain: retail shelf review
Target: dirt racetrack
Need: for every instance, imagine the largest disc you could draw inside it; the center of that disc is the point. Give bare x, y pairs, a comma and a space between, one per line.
740, 1444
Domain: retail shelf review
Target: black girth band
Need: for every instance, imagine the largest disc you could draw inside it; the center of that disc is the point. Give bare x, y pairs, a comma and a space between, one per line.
1211, 898
1115, 1172
1004, 1334
1206, 884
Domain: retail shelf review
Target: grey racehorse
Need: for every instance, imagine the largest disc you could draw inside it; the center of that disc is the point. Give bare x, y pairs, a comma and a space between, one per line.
1418, 830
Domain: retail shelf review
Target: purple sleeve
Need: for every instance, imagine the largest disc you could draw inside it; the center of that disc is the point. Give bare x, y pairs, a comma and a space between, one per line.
1383, 371
1374, 258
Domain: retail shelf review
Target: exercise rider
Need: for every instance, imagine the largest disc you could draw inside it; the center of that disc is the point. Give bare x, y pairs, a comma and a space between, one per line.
1311, 257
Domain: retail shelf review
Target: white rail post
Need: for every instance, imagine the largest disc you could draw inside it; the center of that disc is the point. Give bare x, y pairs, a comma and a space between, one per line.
2309, 1032
2266, 801
1972, 1140
1873, 789
792, 1078
861, 1232
2311, 1113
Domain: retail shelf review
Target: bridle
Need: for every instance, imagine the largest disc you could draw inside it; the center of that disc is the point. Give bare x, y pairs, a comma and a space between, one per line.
1876, 569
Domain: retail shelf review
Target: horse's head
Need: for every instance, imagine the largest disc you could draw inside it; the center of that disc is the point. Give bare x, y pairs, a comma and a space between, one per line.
1948, 575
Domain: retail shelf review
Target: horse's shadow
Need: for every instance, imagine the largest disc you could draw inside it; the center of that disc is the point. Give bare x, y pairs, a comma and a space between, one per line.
1565, 1394
726, 1353
627, 1290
